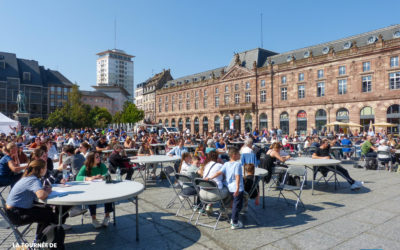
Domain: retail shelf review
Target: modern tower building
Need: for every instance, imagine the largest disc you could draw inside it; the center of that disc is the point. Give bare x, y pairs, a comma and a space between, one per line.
115, 68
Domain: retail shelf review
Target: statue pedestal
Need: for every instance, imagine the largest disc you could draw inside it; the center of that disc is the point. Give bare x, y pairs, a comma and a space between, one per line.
23, 118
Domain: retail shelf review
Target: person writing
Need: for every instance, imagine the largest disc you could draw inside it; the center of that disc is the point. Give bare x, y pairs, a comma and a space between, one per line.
118, 161
95, 170
20, 205
323, 153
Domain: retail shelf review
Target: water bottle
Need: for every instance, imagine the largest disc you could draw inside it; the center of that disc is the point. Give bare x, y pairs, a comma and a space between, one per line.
118, 173
65, 174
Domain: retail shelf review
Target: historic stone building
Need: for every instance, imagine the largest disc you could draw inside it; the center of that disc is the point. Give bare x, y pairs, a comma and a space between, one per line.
149, 93
354, 79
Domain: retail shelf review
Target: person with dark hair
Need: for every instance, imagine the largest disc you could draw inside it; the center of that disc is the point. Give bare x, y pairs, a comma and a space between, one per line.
76, 161
9, 166
92, 170
20, 206
117, 161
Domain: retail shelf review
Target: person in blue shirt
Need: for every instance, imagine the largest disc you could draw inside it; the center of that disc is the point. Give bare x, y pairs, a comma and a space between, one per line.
347, 146
9, 166
234, 180
178, 150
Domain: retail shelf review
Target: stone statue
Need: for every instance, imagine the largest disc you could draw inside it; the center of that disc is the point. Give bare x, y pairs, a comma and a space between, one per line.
21, 102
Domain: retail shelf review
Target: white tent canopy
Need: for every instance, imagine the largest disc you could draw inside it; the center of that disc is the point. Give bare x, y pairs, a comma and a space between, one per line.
5, 124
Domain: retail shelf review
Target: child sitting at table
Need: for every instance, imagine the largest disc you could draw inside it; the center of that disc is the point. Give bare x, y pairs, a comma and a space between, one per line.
234, 177
249, 180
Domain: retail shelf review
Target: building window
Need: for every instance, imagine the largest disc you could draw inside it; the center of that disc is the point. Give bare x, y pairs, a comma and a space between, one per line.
52, 89
366, 84
237, 98
394, 61
187, 95
263, 96
52, 104
159, 107
236, 87
216, 90
216, 101
187, 104
366, 66
301, 91
283, 79
180, 105
320, 73
284, 94
301, 77
26, 76
342, 70
262, 83
226, 99
59, 89
247, 97
394, 79
196, 103
226, 88
342, 86
320, 89
196, 94
205, 102
166, 107
247, 85
205, 92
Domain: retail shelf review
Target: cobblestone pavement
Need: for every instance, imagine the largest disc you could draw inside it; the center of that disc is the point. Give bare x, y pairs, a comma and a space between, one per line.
343, 219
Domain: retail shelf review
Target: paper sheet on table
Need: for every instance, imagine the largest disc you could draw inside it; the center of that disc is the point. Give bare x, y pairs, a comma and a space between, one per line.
57, 194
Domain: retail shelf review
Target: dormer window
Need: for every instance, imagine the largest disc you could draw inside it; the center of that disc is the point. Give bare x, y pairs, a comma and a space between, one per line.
347, 45
372, 39
26, 76
325, 50
186, 81
396, 34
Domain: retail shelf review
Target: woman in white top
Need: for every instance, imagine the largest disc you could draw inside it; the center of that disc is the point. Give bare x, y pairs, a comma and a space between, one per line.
212, 167
247, 147
386, 158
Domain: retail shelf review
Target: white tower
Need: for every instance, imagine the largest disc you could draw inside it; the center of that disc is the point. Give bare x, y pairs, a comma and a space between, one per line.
115, 68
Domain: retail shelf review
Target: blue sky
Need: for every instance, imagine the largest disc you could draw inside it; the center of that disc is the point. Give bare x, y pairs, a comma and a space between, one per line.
186, 36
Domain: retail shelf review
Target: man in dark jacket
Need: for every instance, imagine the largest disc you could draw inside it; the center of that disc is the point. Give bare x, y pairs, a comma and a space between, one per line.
118, 161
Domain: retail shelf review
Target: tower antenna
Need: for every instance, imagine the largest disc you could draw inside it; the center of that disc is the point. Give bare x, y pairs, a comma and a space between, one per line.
261, 33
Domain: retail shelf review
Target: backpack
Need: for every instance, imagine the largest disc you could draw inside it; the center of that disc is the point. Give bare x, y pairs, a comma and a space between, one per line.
53, 234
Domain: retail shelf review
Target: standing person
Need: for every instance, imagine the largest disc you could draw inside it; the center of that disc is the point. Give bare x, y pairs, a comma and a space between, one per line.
20, 205
93, 170
9, 166
234, 177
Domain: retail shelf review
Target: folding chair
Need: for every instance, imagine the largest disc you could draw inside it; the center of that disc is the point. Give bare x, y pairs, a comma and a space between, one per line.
169, 171
293, 171
210, 186
19, 235
186, 191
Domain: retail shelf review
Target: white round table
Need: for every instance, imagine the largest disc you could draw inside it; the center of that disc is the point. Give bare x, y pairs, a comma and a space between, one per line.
158, 144
146, 160
91, 193
311, 163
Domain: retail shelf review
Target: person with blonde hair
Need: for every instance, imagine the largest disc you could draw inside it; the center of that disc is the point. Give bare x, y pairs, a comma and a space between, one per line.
9, 165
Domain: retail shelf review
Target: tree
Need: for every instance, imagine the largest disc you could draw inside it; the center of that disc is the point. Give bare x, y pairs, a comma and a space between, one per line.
117, 118
37, 123
100, 117
59, 118
131, 114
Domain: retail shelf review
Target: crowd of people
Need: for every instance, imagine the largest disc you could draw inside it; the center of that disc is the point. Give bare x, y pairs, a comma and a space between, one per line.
28, 159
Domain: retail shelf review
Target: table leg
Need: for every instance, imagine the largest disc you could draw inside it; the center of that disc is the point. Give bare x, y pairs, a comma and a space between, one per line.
60, 214
137, 218
263, 185
312, 182
145, 174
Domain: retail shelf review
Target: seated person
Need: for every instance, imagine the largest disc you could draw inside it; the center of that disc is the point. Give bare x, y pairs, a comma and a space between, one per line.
20, 205
118, 161
323, 153
385, 158
367, 149
248, 180
178, 150
75, 161
21, 155
347, 147
35, 144
270, 160
145, 150
129, 143
199, 152
93, 170
210, 146
102, 144
247, 147
10, 170
221, 145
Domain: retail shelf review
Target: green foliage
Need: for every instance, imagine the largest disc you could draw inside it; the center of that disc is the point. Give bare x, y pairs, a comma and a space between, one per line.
131, 114
37, 123
117, 118
101, 117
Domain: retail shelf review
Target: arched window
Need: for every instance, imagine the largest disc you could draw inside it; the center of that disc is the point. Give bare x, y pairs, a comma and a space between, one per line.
342, 115
237, 122
196, 125
320, 119
367, 116
284, 122
166, 123
263, 121
393, 116
173, 123
187, 123
226, 123
248, 122
160, 122
205, 124
217, 124
302, 122
180, 124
